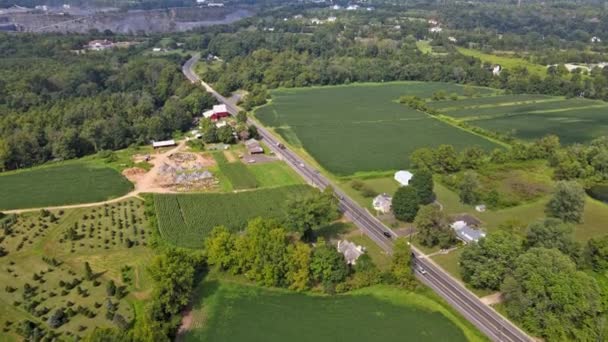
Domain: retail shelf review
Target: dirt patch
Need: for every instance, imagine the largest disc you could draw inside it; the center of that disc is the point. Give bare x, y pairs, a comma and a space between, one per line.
258, 159
134, 174
142, 295
140, 158
494, 298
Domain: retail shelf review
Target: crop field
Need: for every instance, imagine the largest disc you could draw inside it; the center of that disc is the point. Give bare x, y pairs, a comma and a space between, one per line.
275, 174
362, 128
74, 182
528, 117
43, 269
572, 126
237, 173
185, 219
223, 312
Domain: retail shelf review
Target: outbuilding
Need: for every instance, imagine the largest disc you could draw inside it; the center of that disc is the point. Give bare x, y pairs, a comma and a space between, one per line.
254, 147
350, 251
164, 143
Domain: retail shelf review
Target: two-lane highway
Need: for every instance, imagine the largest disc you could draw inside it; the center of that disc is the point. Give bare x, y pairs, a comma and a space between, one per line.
482, 316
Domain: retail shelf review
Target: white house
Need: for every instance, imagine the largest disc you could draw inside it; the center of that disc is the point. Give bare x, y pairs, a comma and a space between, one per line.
336, 7
466, 233
352, 7
433, 22
435, 29
496, 70
403, 177
480, 208
350, 251
595, 39
331, 19
382, 203
215, 4
452, 39
98, 45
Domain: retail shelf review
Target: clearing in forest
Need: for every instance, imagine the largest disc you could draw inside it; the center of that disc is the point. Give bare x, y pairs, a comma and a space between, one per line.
362, 127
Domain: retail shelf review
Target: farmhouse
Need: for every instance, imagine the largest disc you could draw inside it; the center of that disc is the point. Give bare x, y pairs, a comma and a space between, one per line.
496, 70
382, 203
164, 143
350, 251
218, 112
435, 29
254, 147
467, 233
403, 177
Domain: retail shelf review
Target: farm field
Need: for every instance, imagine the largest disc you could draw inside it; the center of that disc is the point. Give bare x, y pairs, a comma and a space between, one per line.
362, 128
529, 117
274, 174
185, 219
237, 173
52, 185
44, 269
223, 311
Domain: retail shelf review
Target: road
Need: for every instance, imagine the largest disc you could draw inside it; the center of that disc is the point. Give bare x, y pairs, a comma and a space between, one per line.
486, 319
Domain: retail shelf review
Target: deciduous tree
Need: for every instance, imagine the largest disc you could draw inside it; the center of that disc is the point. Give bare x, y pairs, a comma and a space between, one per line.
405, 203
433, 227
568, 202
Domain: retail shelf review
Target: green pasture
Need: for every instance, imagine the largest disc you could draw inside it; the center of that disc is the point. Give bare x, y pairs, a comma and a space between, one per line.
61, 184
223, 311
362, 128
507, 62
112, 239
185, 219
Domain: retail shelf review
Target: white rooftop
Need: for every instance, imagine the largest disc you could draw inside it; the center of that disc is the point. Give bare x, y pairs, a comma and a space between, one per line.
221, 108
403, 177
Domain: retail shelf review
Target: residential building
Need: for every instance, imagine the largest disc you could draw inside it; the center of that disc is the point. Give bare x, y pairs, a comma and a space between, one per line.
350, 251
467, 233
382, 203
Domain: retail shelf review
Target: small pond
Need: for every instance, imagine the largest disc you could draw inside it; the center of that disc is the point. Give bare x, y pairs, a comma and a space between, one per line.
599, 192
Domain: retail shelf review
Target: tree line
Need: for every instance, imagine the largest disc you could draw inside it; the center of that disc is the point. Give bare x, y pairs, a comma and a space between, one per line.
56, 104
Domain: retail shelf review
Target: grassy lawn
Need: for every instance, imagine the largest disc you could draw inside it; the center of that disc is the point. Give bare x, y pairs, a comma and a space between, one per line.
338, 125
424, 46
274, 174
60, 184
593, 225
380, 185
223, 311
185, 219
102, 241
505, 61
239, 176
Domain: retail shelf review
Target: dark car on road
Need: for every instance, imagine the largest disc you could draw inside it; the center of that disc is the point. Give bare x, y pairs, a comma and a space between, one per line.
387, 234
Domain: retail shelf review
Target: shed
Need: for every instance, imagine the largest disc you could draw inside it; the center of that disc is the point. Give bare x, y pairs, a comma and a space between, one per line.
164, 143
254, 147
403, 177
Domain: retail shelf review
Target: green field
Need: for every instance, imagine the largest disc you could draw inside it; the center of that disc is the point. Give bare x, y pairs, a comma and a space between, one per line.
69, 183
186, 219
237, 173
506, 62
225, 311
528, 117
274, 174
112, 238
362, 128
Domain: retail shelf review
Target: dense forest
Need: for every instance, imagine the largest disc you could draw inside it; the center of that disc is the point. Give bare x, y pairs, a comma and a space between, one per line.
57, 104
287, 49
